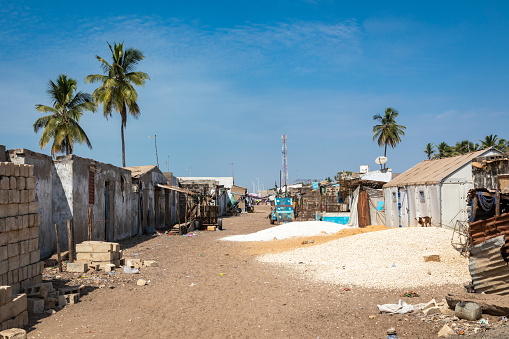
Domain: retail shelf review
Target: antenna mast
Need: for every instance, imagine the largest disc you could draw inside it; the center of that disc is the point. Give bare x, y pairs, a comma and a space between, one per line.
285, 162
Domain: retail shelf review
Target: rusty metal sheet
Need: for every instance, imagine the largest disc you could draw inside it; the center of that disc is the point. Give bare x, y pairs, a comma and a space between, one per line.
483, 230
489, 271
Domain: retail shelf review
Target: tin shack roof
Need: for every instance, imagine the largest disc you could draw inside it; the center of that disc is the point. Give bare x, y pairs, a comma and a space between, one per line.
138, 171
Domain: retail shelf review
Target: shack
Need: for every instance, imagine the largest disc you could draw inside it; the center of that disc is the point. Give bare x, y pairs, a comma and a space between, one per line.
433, 188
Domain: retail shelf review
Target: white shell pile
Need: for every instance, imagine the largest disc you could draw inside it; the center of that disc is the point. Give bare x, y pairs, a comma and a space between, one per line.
288, 230
385, 259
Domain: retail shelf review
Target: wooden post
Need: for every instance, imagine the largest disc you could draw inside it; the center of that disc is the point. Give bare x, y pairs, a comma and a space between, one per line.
70, 237
89, 237
58, 249
497, 207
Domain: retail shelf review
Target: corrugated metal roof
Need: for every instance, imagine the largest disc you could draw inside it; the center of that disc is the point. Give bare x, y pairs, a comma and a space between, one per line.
429, 172
489, 271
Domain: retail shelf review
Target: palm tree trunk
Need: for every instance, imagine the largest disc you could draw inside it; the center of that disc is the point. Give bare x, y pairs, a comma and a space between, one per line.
123, 143
385, 152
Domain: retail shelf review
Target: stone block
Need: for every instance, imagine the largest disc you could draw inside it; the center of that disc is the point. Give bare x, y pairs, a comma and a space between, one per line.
35, 256
33, 207
12, 183
4, 267
4, 183
30, 183
20, 183
20, 304
77, 267
35, 305
14, 333
25, 259
13, 262
468, 310
3, 253
4, 197
432, 257
6, 311
5, 294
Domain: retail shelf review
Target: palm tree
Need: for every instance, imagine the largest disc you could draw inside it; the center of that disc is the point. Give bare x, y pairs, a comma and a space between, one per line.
61, 124
444, 151
387, 132
429, 150
489, 141
502, 145
117, 92
463, 147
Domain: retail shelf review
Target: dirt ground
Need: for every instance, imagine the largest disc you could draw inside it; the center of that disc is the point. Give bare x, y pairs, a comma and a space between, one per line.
205, 288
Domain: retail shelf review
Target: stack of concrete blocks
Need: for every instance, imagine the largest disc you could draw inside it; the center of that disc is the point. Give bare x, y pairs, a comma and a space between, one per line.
13, 310
42, 297
20, 264
100, 254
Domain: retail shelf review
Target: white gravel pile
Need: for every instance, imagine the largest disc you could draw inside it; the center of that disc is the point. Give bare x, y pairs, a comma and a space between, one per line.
292, 229
385, 259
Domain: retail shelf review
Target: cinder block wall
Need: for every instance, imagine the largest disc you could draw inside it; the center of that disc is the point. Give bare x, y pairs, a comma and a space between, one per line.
20, 264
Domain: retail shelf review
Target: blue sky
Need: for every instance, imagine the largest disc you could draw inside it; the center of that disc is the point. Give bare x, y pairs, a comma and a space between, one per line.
229, 77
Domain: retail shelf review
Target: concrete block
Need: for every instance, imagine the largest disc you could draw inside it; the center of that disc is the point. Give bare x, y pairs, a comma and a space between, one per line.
109, 267
20, 304
25, 259
12, 237
73, 298
29, 271
24, 246
3, 253
136, 263
24, 170
15, 170
23, 234
4, 197
2, 225
13, 276
9, 169
2, 168
24, 221
14, 333
30, 183
30, 195
12, 183
11, 323
10, 224
30, 170
5, 294
150, 263
94, 256
35, 256
50, 303
35, 305
23, 273
4, 183
33, 244
6, 311
4, 268
26, 283
20, 183
33, 207
33, 232
3, 279
13, 250
23, 208
77, 267
37, 219
13, 262
13, 197
22, 319
468, 310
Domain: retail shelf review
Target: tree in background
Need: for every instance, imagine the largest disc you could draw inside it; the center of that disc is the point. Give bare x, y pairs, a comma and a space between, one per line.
388, 132
117, 91
61, 124
429, 150
489, 141
444, 151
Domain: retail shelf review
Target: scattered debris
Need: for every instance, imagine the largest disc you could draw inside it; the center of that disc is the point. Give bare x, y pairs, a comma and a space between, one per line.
446, 331
141, 282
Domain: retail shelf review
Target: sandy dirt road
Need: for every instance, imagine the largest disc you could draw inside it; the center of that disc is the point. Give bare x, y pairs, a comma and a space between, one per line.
206, 288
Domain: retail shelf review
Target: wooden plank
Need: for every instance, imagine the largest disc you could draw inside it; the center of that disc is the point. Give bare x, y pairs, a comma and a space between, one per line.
70, 239
59, 257
363, 209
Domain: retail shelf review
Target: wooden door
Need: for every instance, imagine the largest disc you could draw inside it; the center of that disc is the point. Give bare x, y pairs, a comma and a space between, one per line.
363, 209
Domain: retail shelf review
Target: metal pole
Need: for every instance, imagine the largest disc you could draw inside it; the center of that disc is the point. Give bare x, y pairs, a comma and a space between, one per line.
253, 185
155, 143
258, 184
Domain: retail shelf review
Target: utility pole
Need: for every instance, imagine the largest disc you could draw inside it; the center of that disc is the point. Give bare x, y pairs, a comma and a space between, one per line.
155, 143
285, 162
189, 170
253, 185
258, 184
